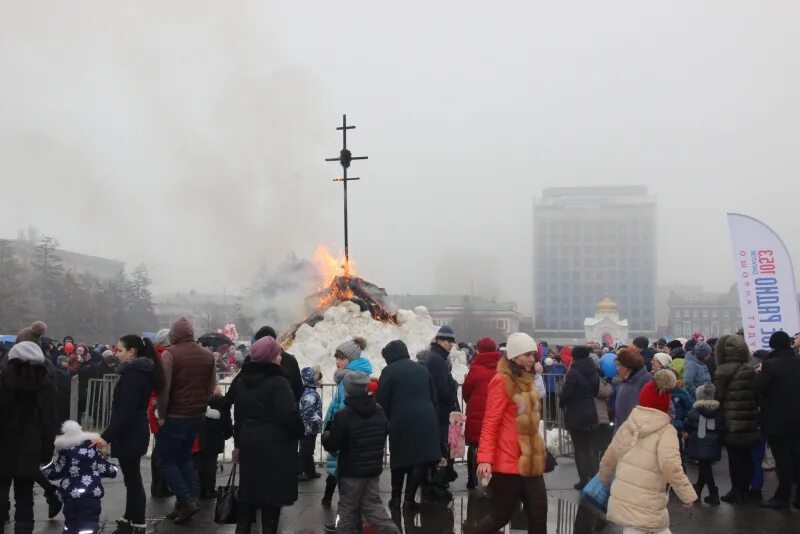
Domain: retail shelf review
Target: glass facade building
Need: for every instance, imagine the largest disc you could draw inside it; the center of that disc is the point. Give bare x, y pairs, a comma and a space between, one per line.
591, 243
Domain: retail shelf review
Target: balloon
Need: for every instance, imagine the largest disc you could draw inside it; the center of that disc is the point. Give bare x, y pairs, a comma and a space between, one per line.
608, 366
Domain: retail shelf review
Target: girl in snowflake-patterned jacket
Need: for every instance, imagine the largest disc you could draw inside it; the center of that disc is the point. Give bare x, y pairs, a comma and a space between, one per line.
80, 466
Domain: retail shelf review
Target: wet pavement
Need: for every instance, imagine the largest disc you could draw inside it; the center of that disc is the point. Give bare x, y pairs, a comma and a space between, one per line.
308, 516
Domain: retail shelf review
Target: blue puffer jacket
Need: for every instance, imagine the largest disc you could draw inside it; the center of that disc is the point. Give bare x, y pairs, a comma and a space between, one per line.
695, 374
359, 365
311, 403
682, 403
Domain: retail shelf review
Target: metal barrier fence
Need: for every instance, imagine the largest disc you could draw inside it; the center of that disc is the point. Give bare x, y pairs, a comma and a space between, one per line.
99, 398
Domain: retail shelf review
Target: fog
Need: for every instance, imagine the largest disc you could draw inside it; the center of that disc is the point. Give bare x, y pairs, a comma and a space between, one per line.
191, 135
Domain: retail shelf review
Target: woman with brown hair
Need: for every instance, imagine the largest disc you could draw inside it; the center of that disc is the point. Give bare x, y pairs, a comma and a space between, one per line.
511, 450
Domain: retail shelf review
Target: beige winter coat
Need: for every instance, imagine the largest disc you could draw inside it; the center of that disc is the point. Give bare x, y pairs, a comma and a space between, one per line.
644, 457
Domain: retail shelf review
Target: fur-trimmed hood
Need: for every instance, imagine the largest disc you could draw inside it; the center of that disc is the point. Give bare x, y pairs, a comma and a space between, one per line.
706, 405
72, 436
732, 348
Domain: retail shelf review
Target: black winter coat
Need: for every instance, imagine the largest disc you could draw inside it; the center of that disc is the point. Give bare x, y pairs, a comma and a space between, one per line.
735, 381
709, 446
128, 431
291, 370
581, 386
87, 371
436, 361
779, 386
266, 428
63, 383
217, 427
358, 433
408, 398
27, 419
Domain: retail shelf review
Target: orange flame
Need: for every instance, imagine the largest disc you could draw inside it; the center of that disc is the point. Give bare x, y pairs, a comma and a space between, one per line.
328, 268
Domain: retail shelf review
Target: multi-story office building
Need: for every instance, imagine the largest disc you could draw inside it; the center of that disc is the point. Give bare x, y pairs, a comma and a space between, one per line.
591, 243
711, 314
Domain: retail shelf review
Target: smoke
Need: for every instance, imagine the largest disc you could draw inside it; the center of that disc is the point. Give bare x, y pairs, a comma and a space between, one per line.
278, 297
177, 133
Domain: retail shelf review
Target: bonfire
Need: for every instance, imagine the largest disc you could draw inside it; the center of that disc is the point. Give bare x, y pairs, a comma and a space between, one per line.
340, 284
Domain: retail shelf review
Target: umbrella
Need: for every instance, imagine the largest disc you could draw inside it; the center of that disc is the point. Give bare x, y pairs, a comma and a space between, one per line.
214, 340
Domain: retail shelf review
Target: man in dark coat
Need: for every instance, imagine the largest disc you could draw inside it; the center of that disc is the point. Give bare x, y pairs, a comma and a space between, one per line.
408, 397
289, 365
778, 382
266, 429
735, 381
581, 386
437, 360
642, 345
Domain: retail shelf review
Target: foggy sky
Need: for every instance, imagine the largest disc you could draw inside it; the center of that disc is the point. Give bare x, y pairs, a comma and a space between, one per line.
192, 134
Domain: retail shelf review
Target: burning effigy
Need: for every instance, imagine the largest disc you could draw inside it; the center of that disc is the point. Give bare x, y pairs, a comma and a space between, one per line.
345, 306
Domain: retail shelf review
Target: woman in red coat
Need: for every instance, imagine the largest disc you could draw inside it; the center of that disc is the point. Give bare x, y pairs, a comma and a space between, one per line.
512, 451
475, 390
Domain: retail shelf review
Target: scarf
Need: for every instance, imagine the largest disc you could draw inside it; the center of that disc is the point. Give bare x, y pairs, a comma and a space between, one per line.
519, 388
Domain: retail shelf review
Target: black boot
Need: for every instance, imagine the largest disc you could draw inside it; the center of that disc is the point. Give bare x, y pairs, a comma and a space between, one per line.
733, 497
54, 504
23, 527
123, 527
330, 487
187, 511
472, 467
713, 496
175, 511
698, 489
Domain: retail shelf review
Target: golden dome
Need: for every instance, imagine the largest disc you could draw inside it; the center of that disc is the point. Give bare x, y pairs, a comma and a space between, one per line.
607, 306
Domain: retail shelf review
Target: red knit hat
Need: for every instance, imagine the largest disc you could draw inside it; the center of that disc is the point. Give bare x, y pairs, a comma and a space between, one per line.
656, 394
486, 344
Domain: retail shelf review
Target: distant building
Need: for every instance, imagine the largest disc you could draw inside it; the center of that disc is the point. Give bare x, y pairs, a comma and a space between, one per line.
606, 326
471, 317
74, 262
591, 243
711, 314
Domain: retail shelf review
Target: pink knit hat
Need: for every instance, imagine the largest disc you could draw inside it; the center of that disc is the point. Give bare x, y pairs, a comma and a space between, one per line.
265, 350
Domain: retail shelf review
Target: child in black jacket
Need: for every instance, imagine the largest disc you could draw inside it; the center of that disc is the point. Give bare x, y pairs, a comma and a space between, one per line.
703, 429
358, 433
217, 428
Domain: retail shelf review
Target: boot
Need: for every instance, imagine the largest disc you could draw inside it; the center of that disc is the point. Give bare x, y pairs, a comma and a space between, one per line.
472, 467
713, 496
733, 497
123, 527
188, 509
330, 487
138, 529
23, 527
175, 511
54, 504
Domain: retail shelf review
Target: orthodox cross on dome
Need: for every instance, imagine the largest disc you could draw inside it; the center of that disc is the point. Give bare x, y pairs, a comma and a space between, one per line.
345, 157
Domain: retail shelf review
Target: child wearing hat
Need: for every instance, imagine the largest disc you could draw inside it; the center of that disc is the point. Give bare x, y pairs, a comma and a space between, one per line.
358, 435
703, 431
311, 412
643, 458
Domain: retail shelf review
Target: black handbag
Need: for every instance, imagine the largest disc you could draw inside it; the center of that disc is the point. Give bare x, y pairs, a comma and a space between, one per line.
550, 462
225, 511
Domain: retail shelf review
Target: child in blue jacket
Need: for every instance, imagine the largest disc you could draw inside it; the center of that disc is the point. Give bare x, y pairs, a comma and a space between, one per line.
80, 467
311, 412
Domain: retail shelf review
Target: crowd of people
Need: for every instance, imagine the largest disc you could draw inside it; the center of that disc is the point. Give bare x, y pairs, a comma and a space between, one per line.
637, 415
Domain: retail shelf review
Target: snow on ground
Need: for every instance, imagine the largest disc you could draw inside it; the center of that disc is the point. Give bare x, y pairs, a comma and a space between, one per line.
316, 345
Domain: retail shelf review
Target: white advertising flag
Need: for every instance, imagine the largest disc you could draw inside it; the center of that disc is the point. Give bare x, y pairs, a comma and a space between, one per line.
765, 278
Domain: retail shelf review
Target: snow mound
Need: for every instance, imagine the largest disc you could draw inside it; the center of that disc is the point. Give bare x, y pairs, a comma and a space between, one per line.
316, 345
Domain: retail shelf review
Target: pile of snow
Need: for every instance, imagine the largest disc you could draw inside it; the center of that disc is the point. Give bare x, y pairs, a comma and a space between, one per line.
316, 345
